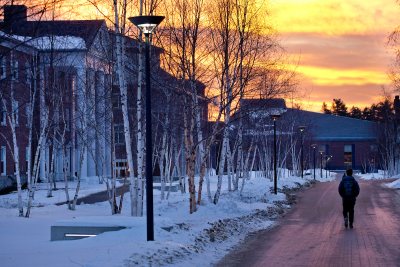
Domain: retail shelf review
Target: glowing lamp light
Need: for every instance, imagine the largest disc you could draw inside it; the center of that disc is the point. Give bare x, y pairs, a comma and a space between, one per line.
146, 24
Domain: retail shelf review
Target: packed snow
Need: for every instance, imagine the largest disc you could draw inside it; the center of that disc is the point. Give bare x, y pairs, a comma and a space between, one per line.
181, 239
382, 175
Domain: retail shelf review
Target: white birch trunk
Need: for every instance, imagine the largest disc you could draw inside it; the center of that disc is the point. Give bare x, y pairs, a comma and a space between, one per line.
30, 184
124, 100
11, 116
140, 129
162, 166
221, 165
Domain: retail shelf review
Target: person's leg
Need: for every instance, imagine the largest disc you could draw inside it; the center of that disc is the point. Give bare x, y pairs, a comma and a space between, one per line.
351, 213
345, 213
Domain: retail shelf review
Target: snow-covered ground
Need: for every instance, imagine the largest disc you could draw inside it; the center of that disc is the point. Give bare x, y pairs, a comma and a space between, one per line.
181, 239
382, 175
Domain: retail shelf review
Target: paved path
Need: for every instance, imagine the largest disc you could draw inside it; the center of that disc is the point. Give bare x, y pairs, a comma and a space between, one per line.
313, 234
97, 197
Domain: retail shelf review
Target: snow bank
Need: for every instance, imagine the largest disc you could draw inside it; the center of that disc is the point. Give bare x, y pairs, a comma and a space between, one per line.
372, 176
382, 175
181, 239
395, 184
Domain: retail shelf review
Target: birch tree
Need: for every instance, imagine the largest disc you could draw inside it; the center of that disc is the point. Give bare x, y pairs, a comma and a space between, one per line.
236, 38
119, 29
184, 58
12, 110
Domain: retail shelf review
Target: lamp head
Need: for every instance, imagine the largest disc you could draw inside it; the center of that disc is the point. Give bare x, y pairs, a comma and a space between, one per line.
275, 117
146, 24
302, 128
314, 146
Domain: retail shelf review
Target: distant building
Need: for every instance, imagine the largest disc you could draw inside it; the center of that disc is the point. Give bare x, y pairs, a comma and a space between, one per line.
351, 143
341, 142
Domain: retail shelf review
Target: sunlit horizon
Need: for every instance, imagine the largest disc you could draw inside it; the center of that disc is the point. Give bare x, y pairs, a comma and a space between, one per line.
339, 49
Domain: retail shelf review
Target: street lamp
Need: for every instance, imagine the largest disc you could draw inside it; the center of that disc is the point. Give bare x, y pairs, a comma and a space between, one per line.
320, 153
275, 117
328, 158
301, 129
146, 25
314, 147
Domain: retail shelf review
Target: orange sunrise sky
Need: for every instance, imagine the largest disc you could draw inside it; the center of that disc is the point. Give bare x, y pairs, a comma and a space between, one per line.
339, 48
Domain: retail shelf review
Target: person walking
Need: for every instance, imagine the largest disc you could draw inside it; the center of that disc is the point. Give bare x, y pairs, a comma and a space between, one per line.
348, 190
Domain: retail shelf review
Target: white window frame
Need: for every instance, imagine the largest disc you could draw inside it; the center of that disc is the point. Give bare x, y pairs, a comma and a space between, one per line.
15, 70
15, 108
3, 66
27, 155
28, 77
27, 111
116, 101
3, 114
3, 160
67, 119
119, 134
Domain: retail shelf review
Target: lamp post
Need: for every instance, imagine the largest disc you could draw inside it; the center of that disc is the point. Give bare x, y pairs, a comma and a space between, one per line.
320, 153
314, 147
275, 117
328, 158
301, 129
146, 25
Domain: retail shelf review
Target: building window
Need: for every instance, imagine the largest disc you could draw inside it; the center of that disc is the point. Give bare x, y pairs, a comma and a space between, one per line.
28, 77
67, 119
3, 67
121, 168
27, 113
119, 134
3, 160
15, 70
348, 156
27, 155
15, 111
116, 100
3, 114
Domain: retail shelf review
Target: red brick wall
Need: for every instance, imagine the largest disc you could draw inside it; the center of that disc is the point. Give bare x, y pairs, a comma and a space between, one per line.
22, 96
362, 153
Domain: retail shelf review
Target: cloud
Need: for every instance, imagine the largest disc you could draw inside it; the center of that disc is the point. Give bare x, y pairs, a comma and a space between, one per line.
334, 17
367, 52
340, 47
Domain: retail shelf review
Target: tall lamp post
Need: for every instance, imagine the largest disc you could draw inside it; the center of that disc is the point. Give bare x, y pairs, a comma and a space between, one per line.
275, 117
328, 158
301, 129
146, 25
314, 147
320, 153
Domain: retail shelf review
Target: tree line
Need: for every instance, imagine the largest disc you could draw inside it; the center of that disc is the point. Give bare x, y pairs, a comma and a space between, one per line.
379, 112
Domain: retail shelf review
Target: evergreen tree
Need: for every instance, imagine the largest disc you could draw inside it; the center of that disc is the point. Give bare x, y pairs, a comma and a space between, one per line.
338, 107
356, 113
325, 109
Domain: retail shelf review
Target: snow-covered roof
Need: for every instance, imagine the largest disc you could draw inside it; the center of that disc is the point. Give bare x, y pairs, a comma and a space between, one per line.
49, 42
327, 127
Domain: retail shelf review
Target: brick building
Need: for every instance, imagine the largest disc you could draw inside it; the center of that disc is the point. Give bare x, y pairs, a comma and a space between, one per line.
73, 63
339, 142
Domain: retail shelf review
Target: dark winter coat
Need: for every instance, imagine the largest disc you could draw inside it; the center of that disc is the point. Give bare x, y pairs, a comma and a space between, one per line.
349, 188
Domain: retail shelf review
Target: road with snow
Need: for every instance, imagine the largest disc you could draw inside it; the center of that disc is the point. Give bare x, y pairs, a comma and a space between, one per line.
313, 234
